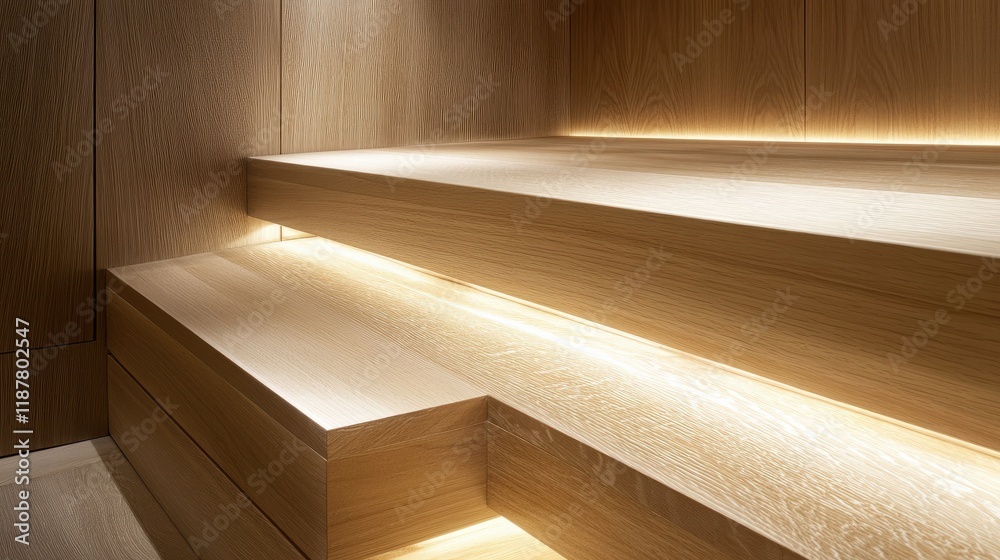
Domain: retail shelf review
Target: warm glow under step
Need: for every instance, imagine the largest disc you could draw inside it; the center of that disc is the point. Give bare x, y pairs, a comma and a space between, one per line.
496, 539
865, 274
678, 441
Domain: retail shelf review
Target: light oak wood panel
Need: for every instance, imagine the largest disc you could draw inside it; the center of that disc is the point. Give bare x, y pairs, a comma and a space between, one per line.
660, 504
69, 396
404, 493
187, 89
329, 374
798, 470
236, 434
749, 273
361, 74
88, 503
689, 68
46, 199
919, 71
576, 513
497, 539
216, 518
375, 406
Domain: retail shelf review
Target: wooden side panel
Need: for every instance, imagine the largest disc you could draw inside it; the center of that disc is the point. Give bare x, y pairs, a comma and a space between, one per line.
732, 539
246, 443
359, 74
405, 493
905, 70
688, 68
217, 519
46, 197
185, 91
578, 513
88, 502
69, 396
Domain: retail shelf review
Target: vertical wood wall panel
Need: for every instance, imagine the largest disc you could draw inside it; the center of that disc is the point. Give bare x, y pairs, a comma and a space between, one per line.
689, 68
905, 70
374, 73
187, 89
46, 201
69, 397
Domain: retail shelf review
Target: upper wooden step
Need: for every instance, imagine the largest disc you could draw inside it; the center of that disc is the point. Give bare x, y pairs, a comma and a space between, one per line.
822, 480
865, 274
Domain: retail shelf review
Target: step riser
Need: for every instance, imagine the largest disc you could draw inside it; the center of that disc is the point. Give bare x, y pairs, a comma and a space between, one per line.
239, 437
602, 486
884, 328
217, 519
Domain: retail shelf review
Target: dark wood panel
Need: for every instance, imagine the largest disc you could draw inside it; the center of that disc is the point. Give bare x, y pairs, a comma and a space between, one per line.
186, 89
905, 71
688, 68
69, 396
388, 72
46, 199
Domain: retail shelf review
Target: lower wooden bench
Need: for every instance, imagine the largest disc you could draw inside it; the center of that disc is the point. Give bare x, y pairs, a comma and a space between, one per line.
360, 406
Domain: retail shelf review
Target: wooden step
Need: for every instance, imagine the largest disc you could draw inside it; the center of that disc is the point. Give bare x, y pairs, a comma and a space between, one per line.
864, 274
308, 420
614, 448
85, 502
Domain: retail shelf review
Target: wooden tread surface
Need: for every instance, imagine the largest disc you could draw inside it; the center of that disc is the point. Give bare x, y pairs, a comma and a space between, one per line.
821, 479
823, 189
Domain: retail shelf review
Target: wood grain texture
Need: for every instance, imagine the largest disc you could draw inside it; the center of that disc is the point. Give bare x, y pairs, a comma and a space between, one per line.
216, 518
308, 372
46, 216
741, 271
665, 509
377, 408
187, 89
689, 68
496, 539
236, 434
361, 74
898, 71
576, 513
69, 396
88, 503
798, 470
404, 493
